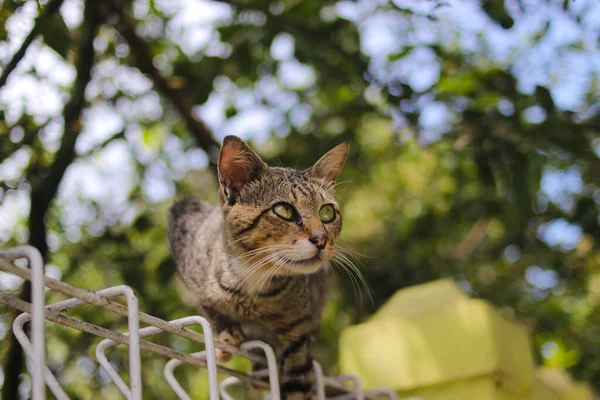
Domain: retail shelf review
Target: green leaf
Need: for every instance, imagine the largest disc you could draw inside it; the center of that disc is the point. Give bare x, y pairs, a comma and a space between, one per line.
458, 85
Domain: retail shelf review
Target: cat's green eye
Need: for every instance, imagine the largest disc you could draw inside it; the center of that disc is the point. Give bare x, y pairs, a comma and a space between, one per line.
327, 213
284, 210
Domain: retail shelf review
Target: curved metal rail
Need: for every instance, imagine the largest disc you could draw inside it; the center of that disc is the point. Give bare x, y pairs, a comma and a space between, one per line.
37, 312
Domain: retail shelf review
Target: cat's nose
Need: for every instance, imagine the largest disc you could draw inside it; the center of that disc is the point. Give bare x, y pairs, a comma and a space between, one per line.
319, 239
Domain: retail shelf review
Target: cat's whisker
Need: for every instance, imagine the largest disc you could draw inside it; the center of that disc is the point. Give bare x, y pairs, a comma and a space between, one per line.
254, 268
355, 284
272, 274
339, 183
349, 252
248, 272
264, 277
256, 252
351, 268
353, 260
350, 249
252, 254
352, 265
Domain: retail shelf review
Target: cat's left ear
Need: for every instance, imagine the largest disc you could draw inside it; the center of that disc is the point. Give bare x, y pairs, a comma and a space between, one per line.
238, 165
330, 165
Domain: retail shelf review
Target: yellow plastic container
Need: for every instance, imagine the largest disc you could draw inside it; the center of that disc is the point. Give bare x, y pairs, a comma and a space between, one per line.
443, 350
419, 299
435, 343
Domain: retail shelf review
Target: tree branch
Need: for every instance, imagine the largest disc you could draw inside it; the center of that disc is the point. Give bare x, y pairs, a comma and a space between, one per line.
49, 10
44, 185
139, 48
104, 143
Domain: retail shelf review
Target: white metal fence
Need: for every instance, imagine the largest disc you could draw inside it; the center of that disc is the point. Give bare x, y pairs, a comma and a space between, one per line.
37, 312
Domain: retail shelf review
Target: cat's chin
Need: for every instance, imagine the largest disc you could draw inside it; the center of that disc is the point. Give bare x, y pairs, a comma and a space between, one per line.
304, 267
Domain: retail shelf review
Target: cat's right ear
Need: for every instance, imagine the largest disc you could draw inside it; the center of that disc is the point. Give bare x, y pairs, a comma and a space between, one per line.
238, 165
330, 165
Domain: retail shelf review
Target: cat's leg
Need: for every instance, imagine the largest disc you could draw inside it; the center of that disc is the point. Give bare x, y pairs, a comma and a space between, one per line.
297, 377
226, 330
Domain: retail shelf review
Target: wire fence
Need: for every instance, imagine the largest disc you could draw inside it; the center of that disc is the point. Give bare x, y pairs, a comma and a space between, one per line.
37, 312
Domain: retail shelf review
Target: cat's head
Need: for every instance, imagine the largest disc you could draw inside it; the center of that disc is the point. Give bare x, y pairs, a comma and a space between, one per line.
279, 218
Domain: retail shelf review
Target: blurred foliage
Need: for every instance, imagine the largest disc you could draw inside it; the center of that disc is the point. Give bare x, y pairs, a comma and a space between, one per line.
476, 171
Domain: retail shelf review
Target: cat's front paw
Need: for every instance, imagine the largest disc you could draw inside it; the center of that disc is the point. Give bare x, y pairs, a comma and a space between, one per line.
232, 336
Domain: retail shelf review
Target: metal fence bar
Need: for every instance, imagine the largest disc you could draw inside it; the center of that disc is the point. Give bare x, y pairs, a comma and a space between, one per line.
123, 339
134, 348
92, 298
35, 349
211, 363
356, 393
36, 264
225, 384
110, 371
271, 365
319, 382
19, 331
209, 350
169, 372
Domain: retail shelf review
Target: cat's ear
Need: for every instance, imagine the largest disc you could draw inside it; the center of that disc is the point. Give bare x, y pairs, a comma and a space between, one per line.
330, 165
238, 164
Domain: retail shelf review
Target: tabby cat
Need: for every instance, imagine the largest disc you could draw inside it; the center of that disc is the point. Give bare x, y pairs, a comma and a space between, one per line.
258, 262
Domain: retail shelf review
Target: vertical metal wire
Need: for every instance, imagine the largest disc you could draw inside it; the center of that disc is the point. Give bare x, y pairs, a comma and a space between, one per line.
25, 343
110, 371
169, 372
318, 371
356, 393
36, 264
225, 384
211, 359
271, 365
133, 323
152, 330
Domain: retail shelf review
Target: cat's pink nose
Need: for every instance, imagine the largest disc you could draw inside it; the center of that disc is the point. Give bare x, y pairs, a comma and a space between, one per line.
319, 239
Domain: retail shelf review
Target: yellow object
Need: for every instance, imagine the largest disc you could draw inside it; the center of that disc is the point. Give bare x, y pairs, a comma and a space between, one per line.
480, 388
435, 343
562, 384
541, 391
419, 299
465, 339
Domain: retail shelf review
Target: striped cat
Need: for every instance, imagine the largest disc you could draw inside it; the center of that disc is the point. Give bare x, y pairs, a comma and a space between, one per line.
258, 262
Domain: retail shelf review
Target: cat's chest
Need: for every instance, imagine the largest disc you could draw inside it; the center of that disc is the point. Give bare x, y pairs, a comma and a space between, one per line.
272, 302
254, 283
279, 298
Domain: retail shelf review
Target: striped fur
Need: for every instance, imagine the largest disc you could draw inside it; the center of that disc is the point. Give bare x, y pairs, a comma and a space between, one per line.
256, 274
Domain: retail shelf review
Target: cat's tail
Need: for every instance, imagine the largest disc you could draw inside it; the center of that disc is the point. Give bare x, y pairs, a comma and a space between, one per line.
185, 218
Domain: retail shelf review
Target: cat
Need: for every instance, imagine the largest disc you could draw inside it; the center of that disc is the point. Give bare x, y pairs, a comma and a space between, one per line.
258, 262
